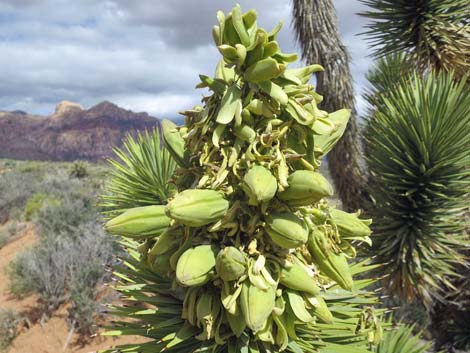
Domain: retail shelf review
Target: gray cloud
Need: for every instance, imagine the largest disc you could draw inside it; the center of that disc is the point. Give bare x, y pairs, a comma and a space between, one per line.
188, 23
144, 55
21, 3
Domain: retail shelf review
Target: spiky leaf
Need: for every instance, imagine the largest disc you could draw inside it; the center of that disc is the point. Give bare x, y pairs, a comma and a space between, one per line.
417, 144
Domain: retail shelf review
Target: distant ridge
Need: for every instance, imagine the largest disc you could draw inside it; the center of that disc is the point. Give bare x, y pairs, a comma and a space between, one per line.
70, 133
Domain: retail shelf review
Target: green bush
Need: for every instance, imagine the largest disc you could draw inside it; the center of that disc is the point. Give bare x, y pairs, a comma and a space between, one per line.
72, 210
9, 163
21, 282
68, 262
33, 205
4, 236
16, 188
66, 267
8, 231
30, 167
8, 327
18, 185
79, 170
13, 228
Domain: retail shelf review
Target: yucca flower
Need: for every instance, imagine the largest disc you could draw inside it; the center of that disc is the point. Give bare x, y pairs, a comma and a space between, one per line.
245, 255
151, 310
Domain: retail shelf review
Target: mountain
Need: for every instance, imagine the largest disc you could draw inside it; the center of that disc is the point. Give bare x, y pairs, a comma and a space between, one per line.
70, 133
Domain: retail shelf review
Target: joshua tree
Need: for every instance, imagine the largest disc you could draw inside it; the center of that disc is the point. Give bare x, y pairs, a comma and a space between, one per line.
420, 181
418, 228
420, 36
433, 33
317, 32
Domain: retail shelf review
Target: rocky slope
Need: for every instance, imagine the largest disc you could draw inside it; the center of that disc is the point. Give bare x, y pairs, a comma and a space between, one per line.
71, 133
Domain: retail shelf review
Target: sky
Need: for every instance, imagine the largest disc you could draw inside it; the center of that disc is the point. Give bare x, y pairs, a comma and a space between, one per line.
144, 55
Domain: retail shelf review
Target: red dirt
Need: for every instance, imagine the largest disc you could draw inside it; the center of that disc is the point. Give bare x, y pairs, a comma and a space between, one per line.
49, 337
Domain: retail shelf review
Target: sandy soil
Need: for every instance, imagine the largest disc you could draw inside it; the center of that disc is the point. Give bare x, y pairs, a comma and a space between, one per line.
34, 336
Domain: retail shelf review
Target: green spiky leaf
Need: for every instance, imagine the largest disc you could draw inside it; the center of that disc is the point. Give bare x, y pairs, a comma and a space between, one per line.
417, 144
140, 174
435, 33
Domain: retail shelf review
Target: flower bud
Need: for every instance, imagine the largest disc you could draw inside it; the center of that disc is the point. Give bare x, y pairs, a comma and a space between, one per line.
259, 185
349, 224
286, 230
140, 222
305, 188
197, 207
334, 265
230, 264
295, 276
195, 265
256, 305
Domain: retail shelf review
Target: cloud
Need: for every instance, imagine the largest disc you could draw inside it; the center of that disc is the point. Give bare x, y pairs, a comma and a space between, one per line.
188, 23
21, 3
143, 55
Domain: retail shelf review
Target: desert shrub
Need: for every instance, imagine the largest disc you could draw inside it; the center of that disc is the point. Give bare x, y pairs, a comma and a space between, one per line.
21, 281
16, 188
9, 163
33, 205
67, 267
84, 308
55, 218
79, 170
4, 236
43, 270
8, 323
14, 228
30, 167
8, 231
68, 262
95, 250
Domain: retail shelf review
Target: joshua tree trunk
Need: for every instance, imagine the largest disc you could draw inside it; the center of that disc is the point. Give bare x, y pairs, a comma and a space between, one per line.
317, 32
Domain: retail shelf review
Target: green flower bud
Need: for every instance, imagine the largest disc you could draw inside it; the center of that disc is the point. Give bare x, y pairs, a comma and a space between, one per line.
140, 222
320, 309
195, 265
256, 305
259, 184
160, 264
286, 230
174, 142
334, 265
349, 224
294, 275
230, 264
197, 207
305, 188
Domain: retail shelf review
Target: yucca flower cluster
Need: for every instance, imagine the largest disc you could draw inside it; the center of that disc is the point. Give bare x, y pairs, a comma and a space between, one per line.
248, 244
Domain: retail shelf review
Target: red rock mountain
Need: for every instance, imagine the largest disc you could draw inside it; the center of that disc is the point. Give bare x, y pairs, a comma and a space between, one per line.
70, 133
